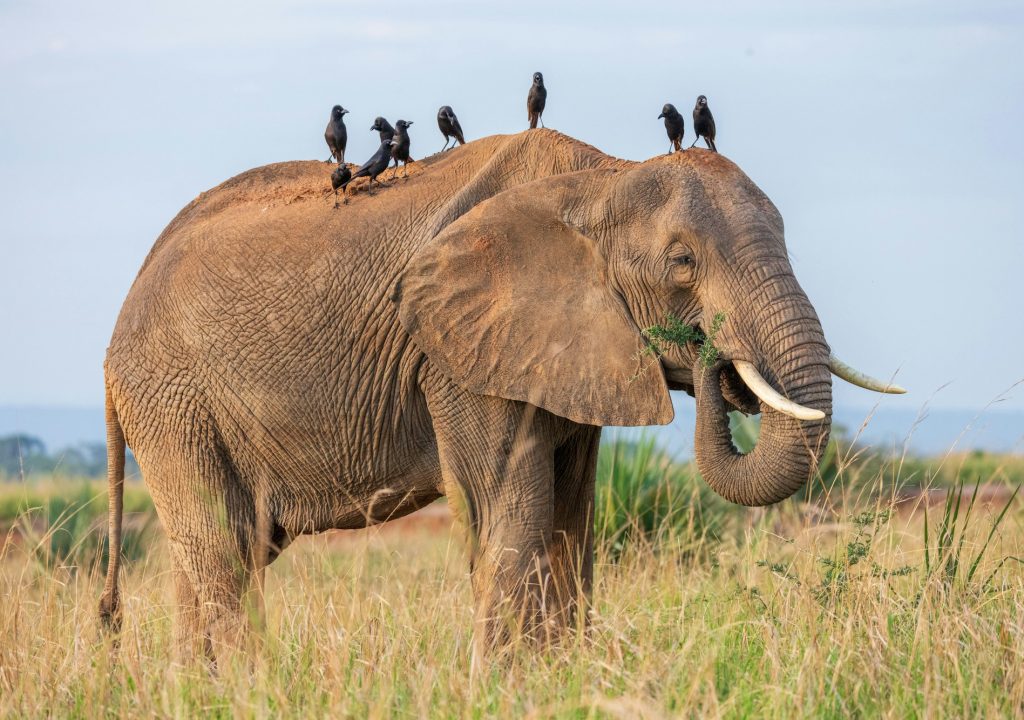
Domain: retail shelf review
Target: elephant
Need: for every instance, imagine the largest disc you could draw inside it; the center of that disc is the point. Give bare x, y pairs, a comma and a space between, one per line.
280, 367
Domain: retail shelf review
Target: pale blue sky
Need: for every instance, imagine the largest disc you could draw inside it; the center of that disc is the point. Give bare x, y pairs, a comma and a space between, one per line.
889, 134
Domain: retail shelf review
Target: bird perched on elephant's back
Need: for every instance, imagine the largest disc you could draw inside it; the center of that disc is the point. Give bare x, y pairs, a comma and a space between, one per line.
382, 126
675, 126
336, 134
536, 99
279, 368
704, 123
340, 178
373, 167
400, 144
449, 126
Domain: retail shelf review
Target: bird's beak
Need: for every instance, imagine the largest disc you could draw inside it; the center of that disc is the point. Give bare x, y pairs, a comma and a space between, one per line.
372, 129
661, 116
344, 112
409, 123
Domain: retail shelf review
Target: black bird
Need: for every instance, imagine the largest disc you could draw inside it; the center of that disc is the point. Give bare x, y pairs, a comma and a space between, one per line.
336, 134
449, 126
674, 126
704, 123
340, 178
374, 166
384, 128
400, 147
536, 100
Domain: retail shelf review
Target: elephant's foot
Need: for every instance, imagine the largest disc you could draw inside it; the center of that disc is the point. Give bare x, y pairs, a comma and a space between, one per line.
516, 608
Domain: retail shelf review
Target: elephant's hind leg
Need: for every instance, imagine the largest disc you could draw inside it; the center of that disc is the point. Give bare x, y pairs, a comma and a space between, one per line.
211, 553
190, 637
210, 522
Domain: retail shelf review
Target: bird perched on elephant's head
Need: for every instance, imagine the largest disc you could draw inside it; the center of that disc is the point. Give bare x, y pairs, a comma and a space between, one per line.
536, 99
704, 123
674, 126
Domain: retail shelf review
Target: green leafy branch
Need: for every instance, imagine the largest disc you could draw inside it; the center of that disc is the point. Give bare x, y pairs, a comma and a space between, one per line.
676, 332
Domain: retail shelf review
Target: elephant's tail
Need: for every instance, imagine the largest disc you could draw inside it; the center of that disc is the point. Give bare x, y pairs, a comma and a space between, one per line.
110, 610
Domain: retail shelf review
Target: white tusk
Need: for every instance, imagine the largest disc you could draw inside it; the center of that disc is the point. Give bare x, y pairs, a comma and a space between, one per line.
771, 397
855, 377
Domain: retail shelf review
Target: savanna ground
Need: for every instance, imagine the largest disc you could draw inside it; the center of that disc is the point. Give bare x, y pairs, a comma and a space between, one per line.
858, 598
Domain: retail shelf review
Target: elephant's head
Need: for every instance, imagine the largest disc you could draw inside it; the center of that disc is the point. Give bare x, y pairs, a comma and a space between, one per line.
541, 293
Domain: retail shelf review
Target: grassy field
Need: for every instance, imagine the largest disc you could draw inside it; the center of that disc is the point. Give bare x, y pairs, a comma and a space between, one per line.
852, 605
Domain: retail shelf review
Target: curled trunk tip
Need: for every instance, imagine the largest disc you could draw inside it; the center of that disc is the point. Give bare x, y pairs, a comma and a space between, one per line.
787, 452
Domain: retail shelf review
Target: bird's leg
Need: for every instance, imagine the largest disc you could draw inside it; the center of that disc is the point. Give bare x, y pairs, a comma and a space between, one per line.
445, 143
695, 141
335, 198
541, 118
344, 193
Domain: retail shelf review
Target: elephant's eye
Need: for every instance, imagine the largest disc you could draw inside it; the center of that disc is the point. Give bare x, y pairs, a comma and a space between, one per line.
683, 268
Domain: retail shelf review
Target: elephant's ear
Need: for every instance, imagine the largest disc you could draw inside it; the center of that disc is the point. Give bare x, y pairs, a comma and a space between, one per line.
511, 301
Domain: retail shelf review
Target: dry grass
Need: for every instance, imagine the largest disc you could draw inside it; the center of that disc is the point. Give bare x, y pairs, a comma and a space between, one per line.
380, 626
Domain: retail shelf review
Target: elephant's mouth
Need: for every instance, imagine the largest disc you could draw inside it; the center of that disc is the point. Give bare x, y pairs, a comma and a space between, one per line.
679, 376
736, 394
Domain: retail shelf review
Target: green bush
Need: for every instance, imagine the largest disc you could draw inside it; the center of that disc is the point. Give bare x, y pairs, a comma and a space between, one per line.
64, 523
642, 493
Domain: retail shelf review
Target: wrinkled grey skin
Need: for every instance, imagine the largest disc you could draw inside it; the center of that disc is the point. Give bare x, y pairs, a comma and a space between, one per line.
281, 368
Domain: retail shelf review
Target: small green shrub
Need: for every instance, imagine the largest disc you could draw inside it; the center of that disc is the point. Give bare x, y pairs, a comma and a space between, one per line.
946, 558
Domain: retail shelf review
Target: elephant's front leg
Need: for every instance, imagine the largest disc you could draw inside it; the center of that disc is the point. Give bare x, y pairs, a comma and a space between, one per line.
572, 548
497, 463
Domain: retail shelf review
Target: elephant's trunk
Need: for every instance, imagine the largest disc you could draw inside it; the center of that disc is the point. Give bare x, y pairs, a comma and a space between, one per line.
795, 360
